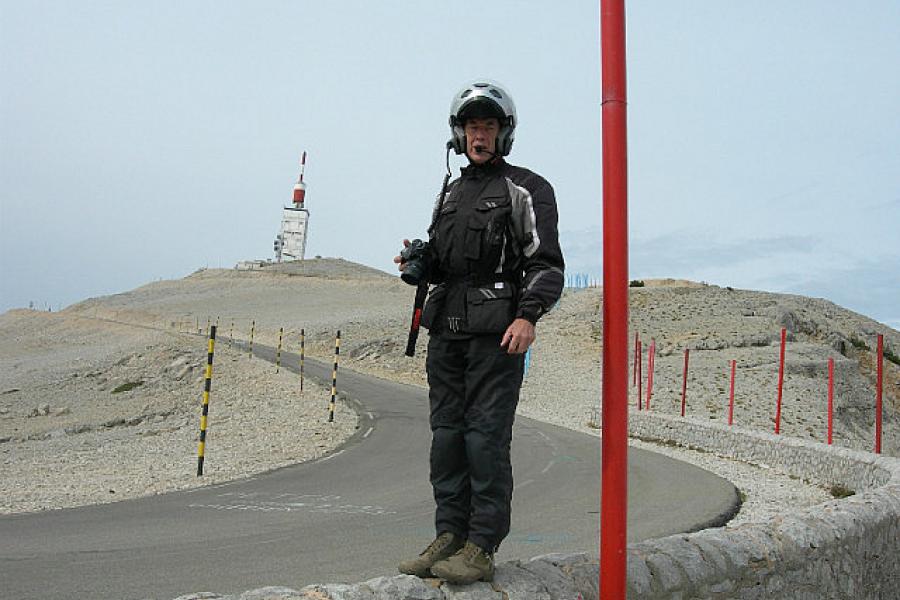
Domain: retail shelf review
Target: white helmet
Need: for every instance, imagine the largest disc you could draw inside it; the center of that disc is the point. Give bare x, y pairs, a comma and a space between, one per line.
483, 99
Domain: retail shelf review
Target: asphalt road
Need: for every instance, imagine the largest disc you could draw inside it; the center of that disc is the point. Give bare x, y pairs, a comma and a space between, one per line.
346, 517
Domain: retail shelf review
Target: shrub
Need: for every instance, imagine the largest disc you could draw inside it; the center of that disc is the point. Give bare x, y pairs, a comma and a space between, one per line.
858, 343
888, 354
128, 386
839, 491
636, 283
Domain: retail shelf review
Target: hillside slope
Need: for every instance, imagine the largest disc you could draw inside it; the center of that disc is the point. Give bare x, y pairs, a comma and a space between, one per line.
372, 310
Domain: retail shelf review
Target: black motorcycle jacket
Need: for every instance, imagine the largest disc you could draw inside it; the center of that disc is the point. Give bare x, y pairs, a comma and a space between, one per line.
494, 251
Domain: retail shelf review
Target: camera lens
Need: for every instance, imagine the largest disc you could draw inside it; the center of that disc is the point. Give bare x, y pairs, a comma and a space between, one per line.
413, 272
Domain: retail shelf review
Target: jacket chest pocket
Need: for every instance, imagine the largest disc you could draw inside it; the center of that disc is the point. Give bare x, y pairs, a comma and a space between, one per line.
486, 228
444, 227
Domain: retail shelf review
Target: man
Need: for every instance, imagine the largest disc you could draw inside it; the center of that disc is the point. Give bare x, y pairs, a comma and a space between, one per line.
494, 256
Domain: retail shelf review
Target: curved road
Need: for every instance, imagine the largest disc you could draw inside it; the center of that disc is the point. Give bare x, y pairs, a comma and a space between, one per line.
347, 517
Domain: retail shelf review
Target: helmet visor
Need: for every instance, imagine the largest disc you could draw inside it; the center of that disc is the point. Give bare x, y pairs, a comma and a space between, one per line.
481, 108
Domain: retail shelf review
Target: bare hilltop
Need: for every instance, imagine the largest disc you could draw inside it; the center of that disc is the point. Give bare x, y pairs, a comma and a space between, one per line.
100, 401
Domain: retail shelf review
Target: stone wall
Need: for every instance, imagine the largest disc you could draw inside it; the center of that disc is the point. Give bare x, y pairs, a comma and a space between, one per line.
844, 548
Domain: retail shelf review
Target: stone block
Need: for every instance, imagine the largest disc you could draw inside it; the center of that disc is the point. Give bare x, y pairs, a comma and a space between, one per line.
667, 575
337, 591
638, 574
402, 587
272, 593
475, 591
518, 583
558, 584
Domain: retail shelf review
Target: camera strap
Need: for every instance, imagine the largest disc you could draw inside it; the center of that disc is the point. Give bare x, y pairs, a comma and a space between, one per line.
422, 288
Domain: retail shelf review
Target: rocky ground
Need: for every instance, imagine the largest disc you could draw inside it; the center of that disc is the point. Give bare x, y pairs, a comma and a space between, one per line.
85, 440
92, 412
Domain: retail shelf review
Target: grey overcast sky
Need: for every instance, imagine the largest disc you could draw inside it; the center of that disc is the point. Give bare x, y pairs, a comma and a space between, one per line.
143, 140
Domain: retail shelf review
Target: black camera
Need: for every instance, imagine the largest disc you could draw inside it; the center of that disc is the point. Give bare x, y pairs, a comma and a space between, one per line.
418, 262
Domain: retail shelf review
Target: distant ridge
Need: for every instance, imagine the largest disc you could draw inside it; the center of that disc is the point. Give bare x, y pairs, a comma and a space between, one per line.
327, 268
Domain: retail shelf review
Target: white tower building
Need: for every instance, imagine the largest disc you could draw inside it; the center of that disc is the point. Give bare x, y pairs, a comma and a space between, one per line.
291, 242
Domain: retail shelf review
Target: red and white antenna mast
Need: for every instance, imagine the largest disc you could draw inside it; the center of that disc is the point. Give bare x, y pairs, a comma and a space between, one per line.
300, 186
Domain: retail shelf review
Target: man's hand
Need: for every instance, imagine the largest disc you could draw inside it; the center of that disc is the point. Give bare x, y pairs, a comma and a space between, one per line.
399, 261
518, 336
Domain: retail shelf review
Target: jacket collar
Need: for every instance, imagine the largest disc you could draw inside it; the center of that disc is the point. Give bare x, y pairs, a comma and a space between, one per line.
492, 167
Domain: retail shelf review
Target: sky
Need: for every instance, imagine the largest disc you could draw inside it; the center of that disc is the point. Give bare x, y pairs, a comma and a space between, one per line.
144, 140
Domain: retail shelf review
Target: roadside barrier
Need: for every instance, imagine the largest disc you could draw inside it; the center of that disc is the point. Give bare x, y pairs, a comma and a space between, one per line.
252, 329
278, 352
644, 398
302, 353
207, 385
731, 395
337, 352
780, 381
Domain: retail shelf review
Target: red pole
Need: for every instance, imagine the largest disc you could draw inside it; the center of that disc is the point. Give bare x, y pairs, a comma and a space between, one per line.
614, 483
639, 367
651, 362
780, 382
830, 397
684, 381
878, 394
731, 395
635, 361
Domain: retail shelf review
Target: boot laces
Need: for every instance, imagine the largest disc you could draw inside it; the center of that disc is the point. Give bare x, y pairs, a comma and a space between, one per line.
470, 551
439, 543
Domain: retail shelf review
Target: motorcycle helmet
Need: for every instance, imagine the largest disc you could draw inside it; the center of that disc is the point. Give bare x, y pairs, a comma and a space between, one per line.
483, 99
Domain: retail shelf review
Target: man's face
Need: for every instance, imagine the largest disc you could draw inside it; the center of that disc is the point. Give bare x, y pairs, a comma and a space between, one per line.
481, 134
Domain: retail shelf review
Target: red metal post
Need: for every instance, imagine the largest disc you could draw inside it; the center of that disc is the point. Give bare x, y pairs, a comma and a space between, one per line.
878, 388
640, 375
830, 397
614, 482
684, 381
635, 361
780, 381
731, 395
651, 363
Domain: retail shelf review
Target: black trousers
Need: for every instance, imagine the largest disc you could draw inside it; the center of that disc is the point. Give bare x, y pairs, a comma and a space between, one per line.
473, 391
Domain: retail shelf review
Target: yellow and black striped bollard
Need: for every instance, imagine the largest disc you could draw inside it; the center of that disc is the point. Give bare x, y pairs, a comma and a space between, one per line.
278, 352
207, 385
337, 352
252, 328
302, 352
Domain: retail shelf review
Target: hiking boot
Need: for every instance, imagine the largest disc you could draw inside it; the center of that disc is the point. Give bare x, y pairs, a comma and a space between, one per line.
469, 565
444, 546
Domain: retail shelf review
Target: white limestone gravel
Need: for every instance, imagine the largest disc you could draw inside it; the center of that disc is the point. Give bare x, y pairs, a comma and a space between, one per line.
70, 439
